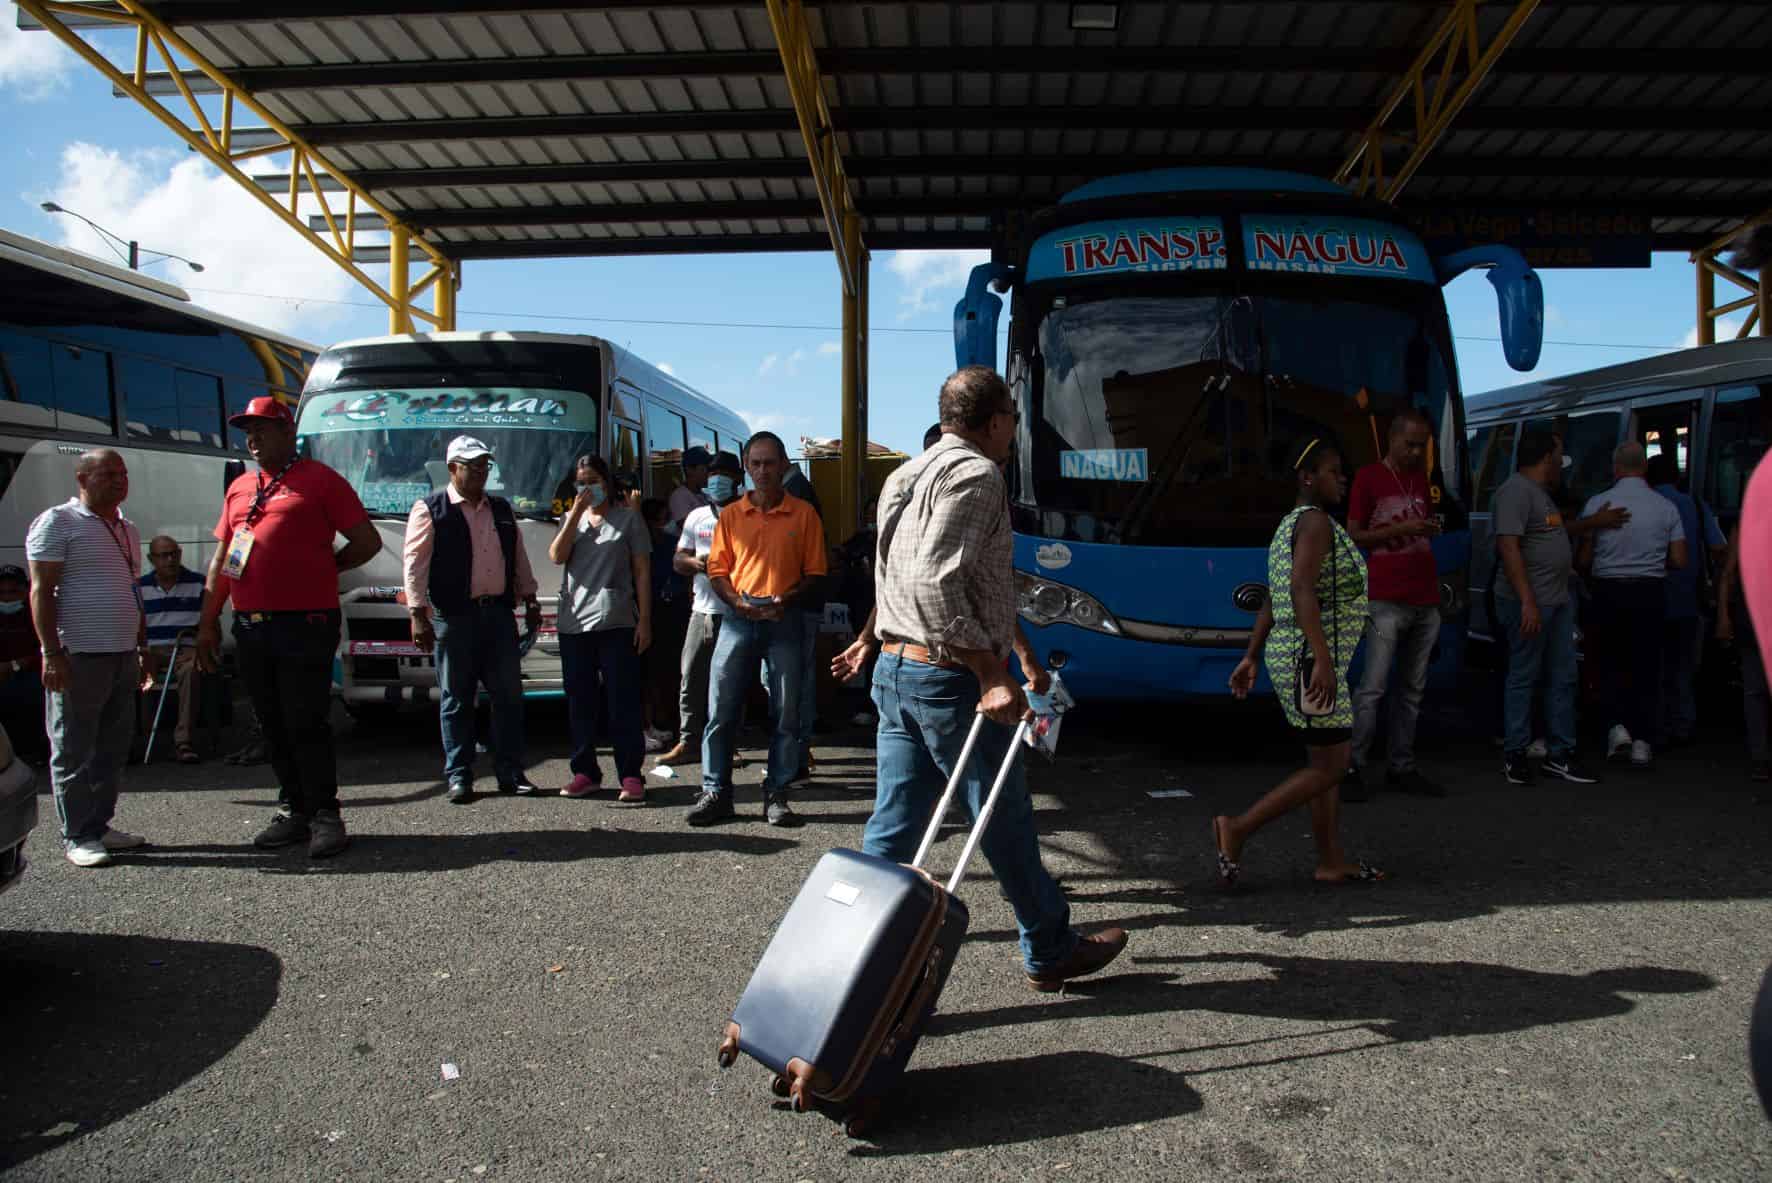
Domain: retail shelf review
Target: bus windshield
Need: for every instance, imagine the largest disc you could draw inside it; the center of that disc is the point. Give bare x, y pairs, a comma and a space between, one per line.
1173, 420
390, 444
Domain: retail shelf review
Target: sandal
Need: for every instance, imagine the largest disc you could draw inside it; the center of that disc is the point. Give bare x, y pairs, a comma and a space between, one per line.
188, 754
1366, 874
1228, 869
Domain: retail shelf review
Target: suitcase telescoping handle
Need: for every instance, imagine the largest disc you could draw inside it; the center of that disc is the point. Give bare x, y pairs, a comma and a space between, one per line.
990, 802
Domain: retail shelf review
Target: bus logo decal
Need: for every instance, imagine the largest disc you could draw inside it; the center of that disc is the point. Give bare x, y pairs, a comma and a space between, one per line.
1135, 244
1105, 464
1334, 246
1054, 556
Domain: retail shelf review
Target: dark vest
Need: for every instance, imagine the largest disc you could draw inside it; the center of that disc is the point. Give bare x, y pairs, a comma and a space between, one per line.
452, 556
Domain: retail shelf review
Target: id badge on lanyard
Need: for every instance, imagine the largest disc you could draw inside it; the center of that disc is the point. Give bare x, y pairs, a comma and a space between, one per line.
239, 549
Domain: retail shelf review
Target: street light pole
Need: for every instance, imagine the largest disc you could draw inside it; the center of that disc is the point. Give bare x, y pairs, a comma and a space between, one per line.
134, 251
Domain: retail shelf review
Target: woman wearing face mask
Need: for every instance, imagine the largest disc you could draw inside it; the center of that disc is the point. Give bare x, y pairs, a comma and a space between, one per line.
605, 624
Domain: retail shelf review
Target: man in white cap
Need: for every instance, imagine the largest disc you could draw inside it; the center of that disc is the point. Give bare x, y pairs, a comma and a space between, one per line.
465, 571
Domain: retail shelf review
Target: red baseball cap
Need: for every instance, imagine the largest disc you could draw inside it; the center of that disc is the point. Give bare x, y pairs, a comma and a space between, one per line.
263, 407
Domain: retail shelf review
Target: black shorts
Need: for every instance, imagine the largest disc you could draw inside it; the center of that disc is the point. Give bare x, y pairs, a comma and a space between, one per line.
1323, 737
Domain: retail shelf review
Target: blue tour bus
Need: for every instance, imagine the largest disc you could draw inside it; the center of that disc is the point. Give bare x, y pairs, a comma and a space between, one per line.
1173, 334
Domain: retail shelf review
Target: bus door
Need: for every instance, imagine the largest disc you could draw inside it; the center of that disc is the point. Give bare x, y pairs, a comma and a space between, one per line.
1668, 425
625, 449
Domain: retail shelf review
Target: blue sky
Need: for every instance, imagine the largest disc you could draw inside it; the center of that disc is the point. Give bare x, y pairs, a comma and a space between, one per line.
69, 141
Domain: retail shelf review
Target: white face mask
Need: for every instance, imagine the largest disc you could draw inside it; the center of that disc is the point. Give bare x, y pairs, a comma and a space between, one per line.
721, 487
598, 493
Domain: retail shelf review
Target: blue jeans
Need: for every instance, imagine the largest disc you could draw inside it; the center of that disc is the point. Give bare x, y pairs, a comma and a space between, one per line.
474, 647
1403, 634
808, 697
925, 713
91, 724
1553, 647
741, 647
584, 657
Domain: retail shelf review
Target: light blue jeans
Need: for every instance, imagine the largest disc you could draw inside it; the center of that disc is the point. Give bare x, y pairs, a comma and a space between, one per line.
1404, 635
1551, 652
478, 647
91, 725
925, 713
742, 646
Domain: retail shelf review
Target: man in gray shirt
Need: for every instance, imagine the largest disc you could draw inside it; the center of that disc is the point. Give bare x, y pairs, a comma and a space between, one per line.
1629, 569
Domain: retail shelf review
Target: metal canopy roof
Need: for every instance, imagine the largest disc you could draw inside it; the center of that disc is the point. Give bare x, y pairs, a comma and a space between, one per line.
503, 130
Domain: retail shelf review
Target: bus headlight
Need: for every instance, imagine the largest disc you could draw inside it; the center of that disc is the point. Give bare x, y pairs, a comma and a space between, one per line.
1045, 602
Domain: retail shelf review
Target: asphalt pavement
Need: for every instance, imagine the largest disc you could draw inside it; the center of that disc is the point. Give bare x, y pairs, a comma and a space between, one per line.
1555, 983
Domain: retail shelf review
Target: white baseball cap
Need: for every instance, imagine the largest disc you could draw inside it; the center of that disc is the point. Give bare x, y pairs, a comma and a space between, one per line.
464, 448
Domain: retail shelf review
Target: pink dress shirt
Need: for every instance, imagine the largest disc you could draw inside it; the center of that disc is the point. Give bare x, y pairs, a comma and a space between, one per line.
487, 576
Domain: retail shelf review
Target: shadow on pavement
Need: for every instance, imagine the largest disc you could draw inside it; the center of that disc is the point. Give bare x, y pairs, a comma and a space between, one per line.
1402, 1001
380, 854
1032, 1099
100, 1026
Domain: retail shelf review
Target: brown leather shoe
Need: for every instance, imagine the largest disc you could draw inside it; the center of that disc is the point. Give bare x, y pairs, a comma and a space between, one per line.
681, 754
1092, 953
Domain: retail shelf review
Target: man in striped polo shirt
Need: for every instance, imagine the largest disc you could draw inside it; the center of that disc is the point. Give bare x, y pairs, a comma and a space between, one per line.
172, 602
85, 556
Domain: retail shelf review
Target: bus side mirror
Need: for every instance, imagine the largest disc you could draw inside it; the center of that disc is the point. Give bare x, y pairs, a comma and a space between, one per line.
975, 317
1519, 295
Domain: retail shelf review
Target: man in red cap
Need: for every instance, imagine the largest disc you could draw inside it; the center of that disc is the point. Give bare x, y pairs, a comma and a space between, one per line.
276, 560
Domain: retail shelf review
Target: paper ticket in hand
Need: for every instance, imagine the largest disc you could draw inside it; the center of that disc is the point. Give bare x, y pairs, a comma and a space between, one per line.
1049, 709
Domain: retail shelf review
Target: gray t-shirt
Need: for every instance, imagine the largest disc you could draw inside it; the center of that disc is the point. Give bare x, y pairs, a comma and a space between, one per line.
597, 584
1524, 510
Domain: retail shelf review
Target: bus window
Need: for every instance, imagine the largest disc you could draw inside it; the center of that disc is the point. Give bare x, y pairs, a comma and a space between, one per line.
624, 455
701, 435
200, 406
1588, 441
1739, 436
150, 400
83, 390
666, 435
27, 391
1492, 454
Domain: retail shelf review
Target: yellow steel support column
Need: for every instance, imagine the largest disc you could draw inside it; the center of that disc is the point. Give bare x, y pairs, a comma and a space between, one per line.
1455, 51
214, 140
1709, 267
445, 297
799, 64
399, 260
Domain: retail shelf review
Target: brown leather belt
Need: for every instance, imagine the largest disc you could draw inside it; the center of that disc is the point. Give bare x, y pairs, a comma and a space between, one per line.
918, 654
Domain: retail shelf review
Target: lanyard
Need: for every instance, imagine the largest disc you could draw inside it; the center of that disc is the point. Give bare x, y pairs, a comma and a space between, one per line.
131, 564
255, 511
1409, 511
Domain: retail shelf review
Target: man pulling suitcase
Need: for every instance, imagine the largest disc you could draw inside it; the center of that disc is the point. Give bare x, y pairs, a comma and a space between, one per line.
945, 623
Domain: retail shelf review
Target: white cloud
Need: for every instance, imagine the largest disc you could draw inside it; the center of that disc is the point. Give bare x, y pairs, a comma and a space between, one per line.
768, 364
34, 64
668, 368
830, 348
1727, 327
176, 202
787, 426
793, 362
930, 277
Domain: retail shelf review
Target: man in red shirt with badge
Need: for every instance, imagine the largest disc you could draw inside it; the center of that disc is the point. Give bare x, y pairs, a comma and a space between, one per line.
276, 560
1390, 515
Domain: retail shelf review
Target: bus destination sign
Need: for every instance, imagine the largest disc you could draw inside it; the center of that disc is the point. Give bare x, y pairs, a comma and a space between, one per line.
1135, 244
1334, 246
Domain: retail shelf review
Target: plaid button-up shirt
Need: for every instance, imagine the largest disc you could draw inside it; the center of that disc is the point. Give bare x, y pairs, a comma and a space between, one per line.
945, 572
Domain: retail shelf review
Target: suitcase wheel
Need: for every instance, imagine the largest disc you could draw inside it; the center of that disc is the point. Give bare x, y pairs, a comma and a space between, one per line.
859, 1122
780, 1085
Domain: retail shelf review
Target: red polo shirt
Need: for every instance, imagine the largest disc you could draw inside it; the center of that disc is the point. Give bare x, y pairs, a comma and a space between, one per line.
290, 568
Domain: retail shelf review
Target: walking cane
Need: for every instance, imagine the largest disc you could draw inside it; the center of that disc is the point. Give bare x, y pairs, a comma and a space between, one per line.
171, 672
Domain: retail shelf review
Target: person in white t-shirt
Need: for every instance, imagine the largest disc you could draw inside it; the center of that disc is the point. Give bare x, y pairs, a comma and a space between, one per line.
707, 609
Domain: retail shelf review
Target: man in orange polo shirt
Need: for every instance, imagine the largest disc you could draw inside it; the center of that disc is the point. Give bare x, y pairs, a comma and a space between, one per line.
768, 550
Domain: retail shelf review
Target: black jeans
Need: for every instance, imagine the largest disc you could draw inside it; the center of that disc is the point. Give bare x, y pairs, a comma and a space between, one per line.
1626, 645
286, 659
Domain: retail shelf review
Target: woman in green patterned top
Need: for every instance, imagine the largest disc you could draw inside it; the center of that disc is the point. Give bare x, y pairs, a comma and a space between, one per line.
1313, 619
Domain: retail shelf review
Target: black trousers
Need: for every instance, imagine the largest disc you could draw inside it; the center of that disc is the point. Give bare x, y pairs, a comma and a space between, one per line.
1629, 614
286, 660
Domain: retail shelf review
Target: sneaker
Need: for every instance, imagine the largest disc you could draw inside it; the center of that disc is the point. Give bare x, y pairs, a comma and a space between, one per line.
460, 792
1760, 771
122, 840
286, 829
89, 854
1092, 954
1617, 742
633, 791
776, 811
1641, 755
1565, 768
1517, 770
679, 755
1411, 780
1538, 750
329, 835
1353, 785
580, 786
521, 787
712, 809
